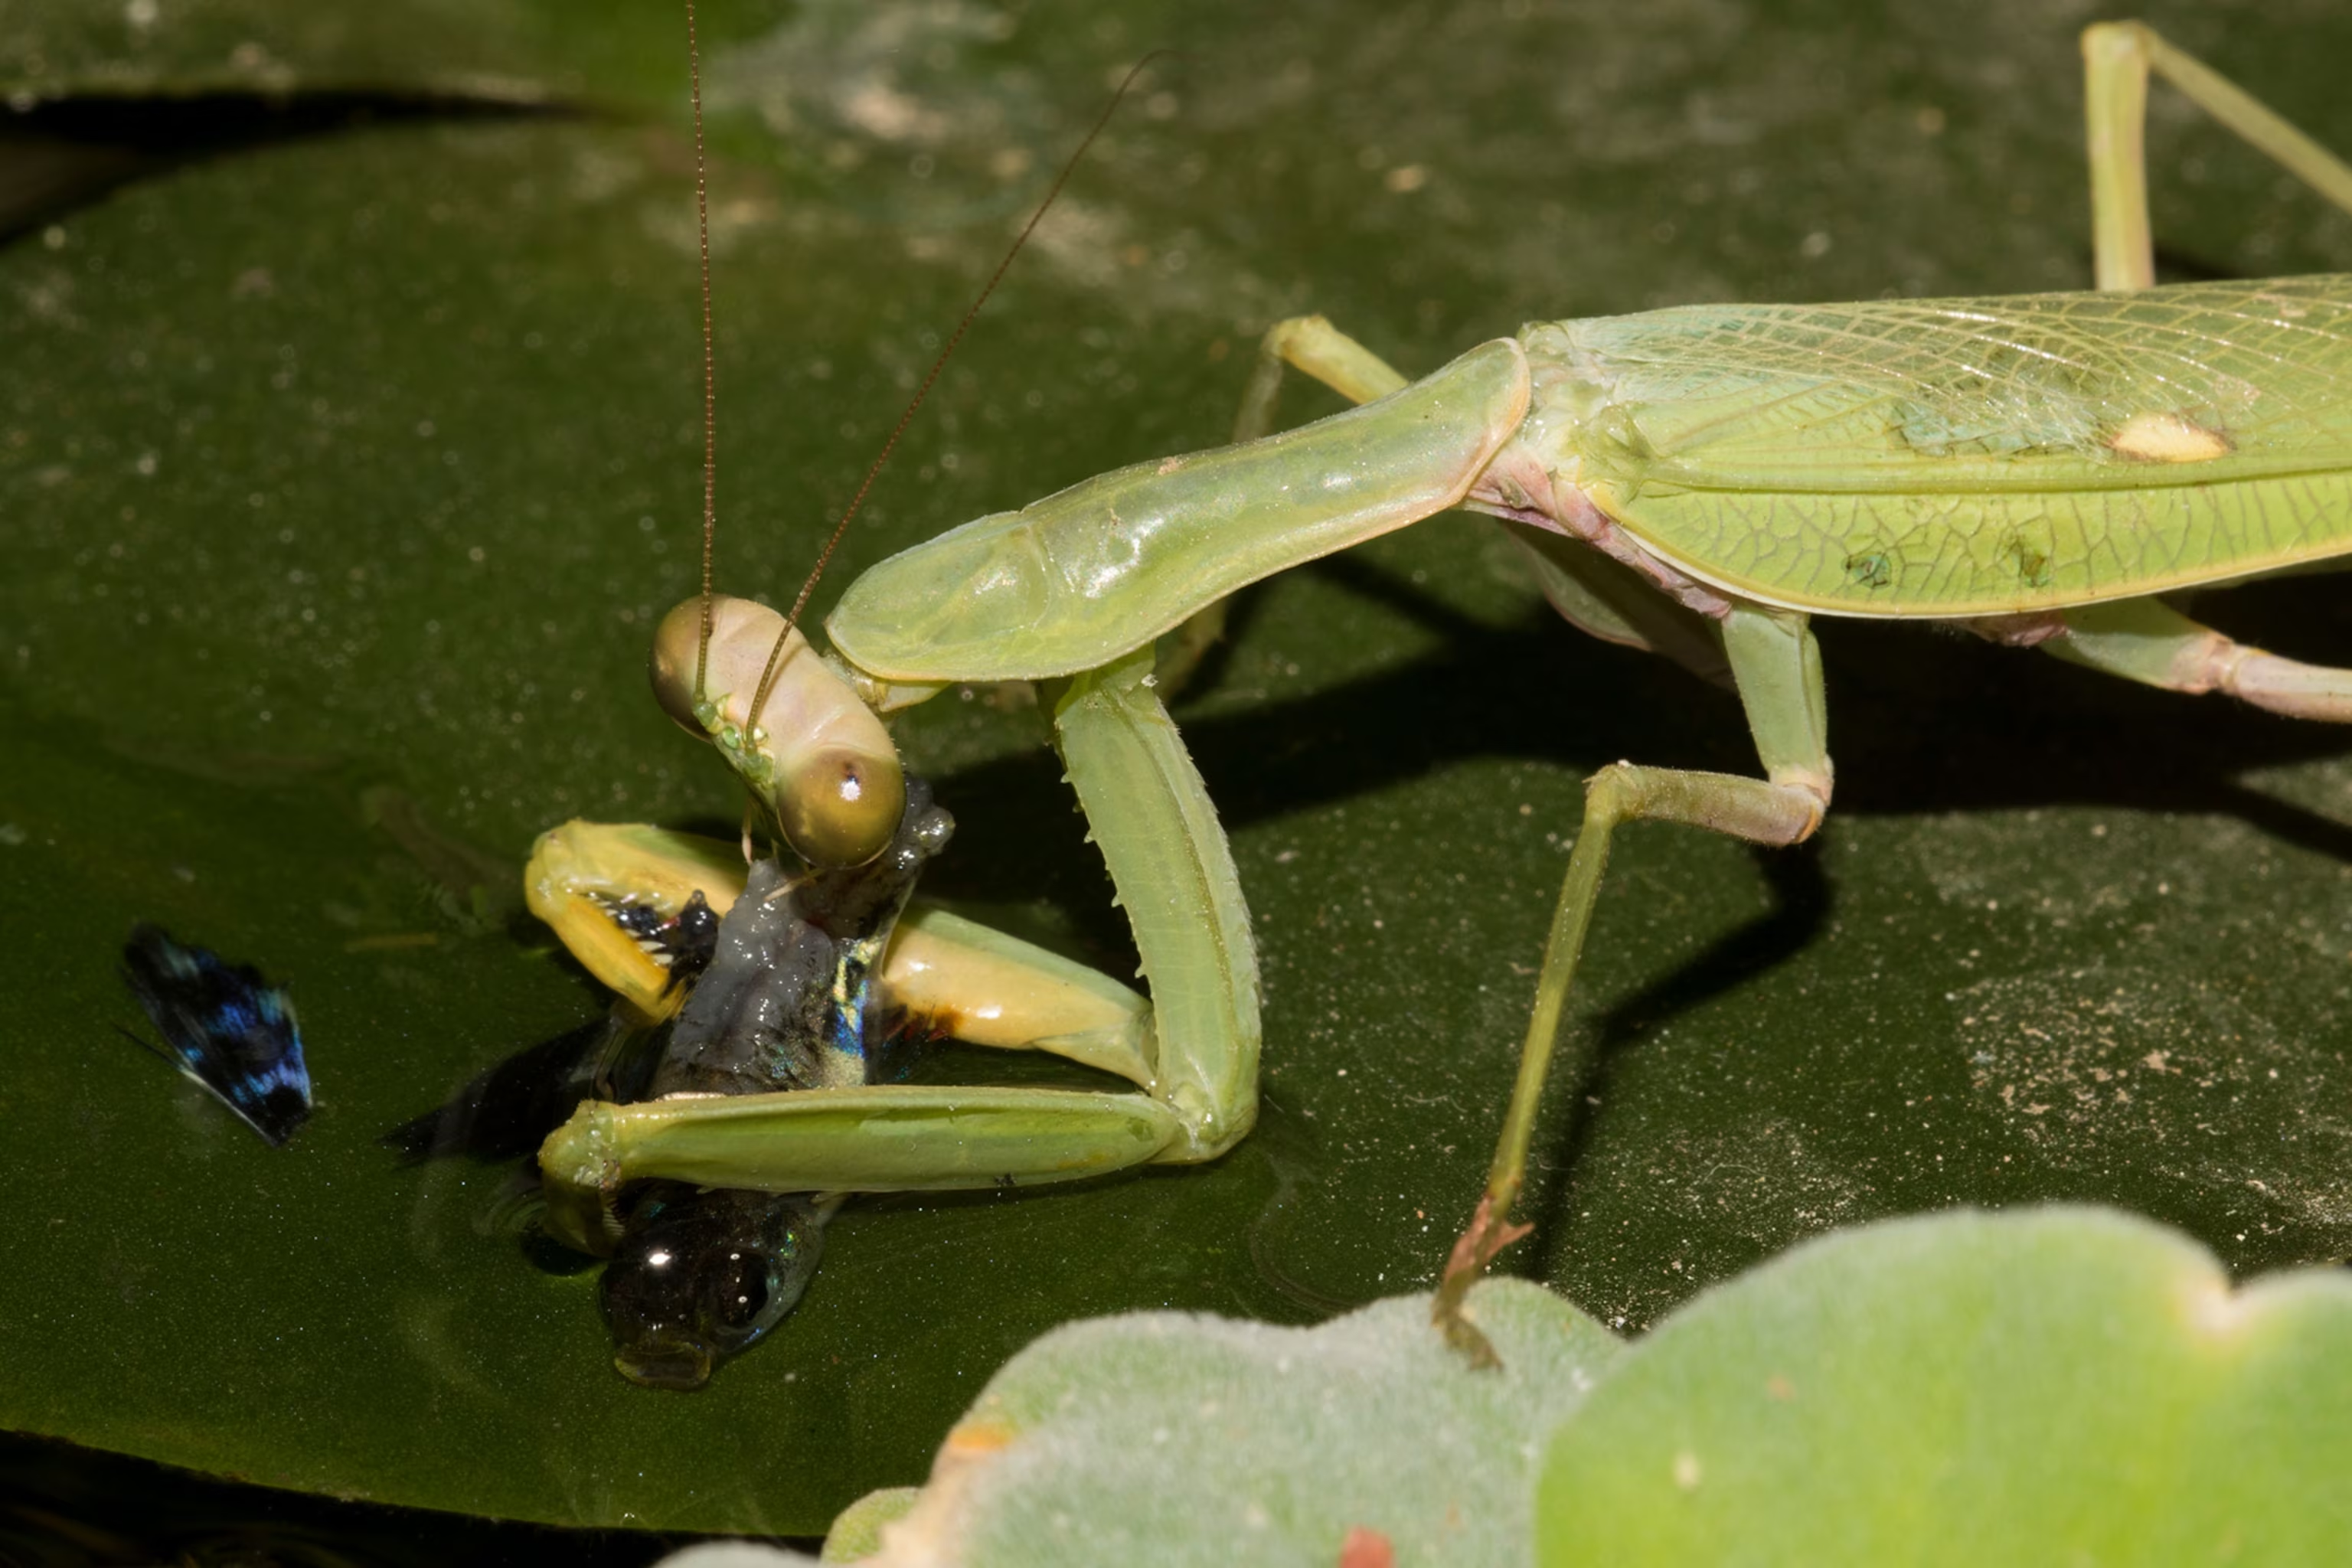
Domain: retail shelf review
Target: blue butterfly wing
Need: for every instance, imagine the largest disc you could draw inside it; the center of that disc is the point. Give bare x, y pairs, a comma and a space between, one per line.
225, 1027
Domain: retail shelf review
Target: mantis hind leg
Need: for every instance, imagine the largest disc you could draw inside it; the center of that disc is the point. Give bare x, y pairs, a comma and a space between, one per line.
2116, 59
2149, 642
1777, 667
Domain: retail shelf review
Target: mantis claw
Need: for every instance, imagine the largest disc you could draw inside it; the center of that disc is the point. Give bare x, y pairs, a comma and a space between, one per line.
1490, 1231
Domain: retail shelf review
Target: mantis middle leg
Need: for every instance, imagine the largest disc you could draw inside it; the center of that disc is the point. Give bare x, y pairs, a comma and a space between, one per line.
1771, 658
2116, 59
1778, 669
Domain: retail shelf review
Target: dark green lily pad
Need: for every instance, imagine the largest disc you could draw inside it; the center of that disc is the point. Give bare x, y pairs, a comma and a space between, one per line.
489, 51
344, 476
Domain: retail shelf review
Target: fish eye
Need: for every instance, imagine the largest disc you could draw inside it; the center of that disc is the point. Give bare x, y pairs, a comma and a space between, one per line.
741, 1295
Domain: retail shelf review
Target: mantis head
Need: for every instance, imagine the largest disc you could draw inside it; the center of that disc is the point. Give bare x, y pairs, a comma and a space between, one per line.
744, 676
814, 754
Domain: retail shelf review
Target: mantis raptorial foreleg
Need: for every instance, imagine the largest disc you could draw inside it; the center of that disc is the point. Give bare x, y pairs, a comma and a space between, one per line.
611, 889
1198, 1069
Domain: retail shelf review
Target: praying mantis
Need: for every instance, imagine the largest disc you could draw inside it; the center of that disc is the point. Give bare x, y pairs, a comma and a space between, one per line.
1698, 481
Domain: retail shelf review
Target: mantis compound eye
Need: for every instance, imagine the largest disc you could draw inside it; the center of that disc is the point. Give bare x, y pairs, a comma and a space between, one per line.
841, 808
816, 756
677, 643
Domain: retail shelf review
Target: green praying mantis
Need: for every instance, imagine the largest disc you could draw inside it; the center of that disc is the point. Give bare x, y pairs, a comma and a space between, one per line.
1697, 481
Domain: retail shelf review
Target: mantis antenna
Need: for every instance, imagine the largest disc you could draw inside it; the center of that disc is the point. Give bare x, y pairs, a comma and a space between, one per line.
709, 369
824, 556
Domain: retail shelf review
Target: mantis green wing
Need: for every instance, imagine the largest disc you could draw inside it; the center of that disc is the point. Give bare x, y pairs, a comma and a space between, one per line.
1962, 457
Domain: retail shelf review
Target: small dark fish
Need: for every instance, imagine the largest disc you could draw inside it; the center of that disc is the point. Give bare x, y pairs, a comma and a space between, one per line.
788, 998
225, 1027
784, 995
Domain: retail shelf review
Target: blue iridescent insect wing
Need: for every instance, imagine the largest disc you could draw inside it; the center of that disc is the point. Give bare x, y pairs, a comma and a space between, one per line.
225, 1027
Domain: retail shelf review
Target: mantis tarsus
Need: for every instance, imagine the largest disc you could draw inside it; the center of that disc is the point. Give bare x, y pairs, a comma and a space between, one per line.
1697, 481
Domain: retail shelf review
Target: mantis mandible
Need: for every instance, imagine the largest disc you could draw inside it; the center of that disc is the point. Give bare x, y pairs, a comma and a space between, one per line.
1698, 481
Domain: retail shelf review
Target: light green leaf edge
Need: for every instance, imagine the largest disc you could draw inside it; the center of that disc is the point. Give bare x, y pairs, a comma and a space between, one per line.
2065, 1385
2068, 1385
1175, 1438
